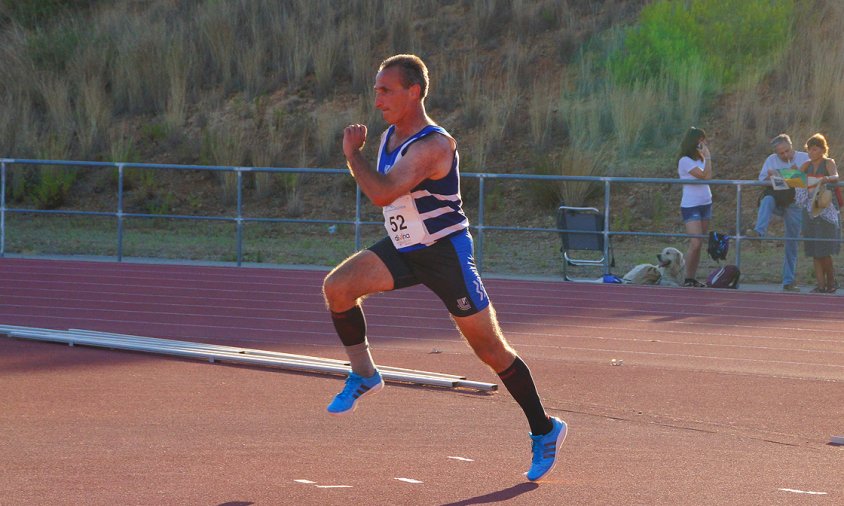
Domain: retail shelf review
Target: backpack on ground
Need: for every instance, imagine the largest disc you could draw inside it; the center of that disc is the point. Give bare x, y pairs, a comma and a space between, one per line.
724, 277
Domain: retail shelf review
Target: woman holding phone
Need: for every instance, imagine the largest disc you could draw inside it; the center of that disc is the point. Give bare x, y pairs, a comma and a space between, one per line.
695, 163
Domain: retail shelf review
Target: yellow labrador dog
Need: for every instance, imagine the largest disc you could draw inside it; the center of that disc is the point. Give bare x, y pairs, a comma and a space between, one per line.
669, 272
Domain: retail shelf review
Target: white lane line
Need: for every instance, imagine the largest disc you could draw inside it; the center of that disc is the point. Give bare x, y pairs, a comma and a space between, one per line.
464, 459
408, 480
309, 482
796, 491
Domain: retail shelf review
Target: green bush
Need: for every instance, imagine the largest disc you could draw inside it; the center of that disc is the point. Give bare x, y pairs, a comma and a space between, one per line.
31, 13
728, 38
52, 186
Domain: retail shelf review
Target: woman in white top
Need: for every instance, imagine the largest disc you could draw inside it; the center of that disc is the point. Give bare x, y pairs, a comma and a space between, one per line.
696, 205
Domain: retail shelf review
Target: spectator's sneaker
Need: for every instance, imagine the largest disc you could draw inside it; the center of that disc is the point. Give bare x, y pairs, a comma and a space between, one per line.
356, 387
790, 288
545, 449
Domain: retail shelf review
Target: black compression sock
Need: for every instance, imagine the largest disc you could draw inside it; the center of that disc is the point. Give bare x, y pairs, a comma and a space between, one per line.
350, 326
519, 383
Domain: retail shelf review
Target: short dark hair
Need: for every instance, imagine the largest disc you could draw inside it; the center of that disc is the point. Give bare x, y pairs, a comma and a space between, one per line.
413, 71
690, 141
818, 140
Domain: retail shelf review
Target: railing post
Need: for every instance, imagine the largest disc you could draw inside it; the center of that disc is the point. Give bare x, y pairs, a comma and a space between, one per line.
239, 221
119, 212
607, 260
479, 247
357, 218
738, 226
3, 209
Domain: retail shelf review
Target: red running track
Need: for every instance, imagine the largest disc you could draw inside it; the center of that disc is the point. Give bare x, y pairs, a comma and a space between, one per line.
723, 397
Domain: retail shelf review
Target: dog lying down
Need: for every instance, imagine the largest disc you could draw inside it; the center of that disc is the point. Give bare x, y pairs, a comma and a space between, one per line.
669, 272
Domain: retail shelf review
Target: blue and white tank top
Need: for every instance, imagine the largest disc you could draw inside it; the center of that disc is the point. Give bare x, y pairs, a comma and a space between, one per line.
432, 210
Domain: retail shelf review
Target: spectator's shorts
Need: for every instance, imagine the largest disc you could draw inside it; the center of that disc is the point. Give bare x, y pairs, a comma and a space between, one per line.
697, 213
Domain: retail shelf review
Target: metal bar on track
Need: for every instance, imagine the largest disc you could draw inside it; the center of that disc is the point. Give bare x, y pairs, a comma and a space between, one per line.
213, 353
249, 351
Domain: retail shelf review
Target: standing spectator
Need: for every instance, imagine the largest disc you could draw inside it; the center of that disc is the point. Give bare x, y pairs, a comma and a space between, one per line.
821, 223
696, 206
781, 203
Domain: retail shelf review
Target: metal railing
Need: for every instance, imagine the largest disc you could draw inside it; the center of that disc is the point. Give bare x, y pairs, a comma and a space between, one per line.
480, 227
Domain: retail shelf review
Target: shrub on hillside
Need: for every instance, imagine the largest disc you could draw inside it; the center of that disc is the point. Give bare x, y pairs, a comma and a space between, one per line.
32, 13
728, 38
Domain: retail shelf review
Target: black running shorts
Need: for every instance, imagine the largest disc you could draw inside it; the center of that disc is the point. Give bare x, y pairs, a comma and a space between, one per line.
447, 268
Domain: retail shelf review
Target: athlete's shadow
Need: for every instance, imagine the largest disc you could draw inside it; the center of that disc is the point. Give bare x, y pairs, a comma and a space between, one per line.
499, 496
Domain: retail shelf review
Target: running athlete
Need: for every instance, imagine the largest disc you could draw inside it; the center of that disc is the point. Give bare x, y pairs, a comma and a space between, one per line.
416, 182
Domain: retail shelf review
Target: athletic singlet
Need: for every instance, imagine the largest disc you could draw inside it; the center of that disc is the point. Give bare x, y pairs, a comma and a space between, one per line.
432, 210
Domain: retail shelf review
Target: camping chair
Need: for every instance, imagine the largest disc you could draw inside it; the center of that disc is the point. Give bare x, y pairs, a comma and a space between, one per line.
587, 219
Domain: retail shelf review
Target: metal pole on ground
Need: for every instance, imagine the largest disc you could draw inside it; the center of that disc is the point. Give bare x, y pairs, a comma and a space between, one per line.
216, 353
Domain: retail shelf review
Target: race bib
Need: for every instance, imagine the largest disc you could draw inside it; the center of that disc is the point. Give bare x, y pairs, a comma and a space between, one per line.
403, 223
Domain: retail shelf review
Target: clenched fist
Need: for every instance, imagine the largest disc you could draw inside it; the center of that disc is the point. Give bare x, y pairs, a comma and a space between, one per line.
354, 138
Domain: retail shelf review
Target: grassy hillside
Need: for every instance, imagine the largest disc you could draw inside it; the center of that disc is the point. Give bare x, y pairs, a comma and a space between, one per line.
544, 86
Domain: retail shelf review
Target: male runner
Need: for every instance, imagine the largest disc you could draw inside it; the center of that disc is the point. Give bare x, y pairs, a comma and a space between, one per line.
416, 182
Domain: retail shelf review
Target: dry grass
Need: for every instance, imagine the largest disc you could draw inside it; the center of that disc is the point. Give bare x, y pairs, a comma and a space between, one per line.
577, 162
326, 57
218, 23
691, 88
541, 110
328, 132
582, 120
94, 113
633, 112
180, 64
471, 99
296, 50
56, 96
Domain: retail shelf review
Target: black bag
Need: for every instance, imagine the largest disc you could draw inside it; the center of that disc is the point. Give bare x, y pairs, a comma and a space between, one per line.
724, 277
782, 198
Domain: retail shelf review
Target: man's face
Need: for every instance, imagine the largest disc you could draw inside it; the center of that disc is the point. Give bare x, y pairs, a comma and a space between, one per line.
391, 97
784, 151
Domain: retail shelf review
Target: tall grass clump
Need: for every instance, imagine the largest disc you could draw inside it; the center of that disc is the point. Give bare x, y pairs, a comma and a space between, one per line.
224, 146
541, 111
571, 162
632, 109
218, 23
180, 63
51, 185
328, 130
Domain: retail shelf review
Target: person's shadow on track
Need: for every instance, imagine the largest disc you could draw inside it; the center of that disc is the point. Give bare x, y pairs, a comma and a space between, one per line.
499, 496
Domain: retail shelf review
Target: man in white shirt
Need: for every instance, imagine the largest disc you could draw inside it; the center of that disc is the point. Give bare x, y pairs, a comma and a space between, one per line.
781, 203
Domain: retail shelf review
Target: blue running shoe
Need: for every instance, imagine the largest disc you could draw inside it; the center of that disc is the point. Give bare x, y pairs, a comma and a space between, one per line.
545, 449
356, 387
